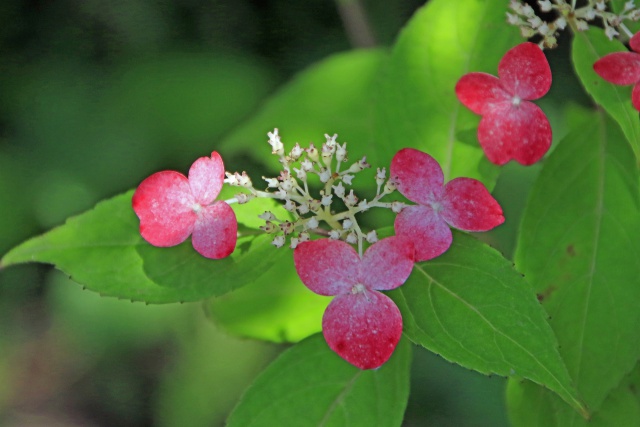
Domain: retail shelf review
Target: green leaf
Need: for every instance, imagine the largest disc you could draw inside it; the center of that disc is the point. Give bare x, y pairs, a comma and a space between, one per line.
102, 249
578, 247
275, 306
471, 307
533, 406
587, 48
417, 104
309, 385
335, 95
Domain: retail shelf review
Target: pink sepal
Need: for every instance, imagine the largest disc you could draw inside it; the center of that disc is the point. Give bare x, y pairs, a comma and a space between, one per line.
524, 71
327, 267
206, 177
621, 68
163, 202
468, 206
429, 233
508, 132
363, 328
215, 232
418, 175
387, 264
477, 90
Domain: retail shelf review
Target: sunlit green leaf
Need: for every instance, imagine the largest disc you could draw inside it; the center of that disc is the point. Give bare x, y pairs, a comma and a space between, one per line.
417, 104
471, 307
309, 385
587, 48
102, 249
332, 96
275, 306
578, 247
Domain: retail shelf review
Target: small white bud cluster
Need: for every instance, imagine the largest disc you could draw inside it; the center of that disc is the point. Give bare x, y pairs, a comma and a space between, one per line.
532, 25
317, 214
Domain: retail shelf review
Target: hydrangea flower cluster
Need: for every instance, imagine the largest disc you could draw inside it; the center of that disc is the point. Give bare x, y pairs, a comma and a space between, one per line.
361, 324
579, 18
512, 127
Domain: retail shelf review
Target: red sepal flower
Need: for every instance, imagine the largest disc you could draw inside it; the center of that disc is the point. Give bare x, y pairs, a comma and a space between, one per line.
511, 127
361, 324
171, 207
463, 203
623, 68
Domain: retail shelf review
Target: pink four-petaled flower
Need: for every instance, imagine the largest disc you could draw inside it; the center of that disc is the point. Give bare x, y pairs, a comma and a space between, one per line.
623, 68
361, 324
511, 127
171, 207
463, 203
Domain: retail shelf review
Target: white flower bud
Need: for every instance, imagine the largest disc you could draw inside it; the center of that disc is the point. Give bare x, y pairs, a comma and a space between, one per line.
271, 182
303, 209
341, 152
311, 224
347, 224
296, 152
381, 175
590, 15
338, 190
371, 236
326, 200
528, 11
513, 19
278, 241
314, 205
231, 178
352, 238
600, 5
301, 174
267, 216
334, 234
331, 140
390, 186
304, 237
325, 174
294, 242
289, 205
351, 199
544, 29
287, 227
306, 165
397, 207
363, 205
312, 152
629, 5
611, 32
545, 5
535, 21
561, 23
347, 179
582, 25
269, 227
276, 144
243, 198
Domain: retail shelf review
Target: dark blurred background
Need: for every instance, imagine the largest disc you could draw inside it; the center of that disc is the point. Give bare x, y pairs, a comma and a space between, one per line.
95, 96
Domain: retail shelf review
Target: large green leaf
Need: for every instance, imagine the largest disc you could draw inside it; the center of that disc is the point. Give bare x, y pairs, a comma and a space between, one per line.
470, 306
332, 96
587, 48
102, 249
417, 105
578, 247
309, 385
